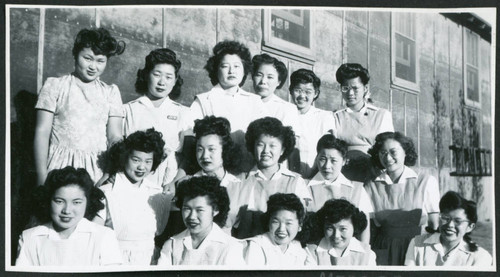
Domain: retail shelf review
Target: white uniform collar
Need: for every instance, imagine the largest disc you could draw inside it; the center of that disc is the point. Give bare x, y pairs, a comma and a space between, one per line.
354, 245
215, 235
408, 173
84, 226
363, 109
231, 91
148, 103
319, 179
281, 171
435, 242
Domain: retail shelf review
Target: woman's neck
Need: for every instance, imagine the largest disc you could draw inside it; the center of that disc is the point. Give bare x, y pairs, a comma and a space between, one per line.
233, 89
267, 98
219, 173
270, 171
395, 175
448, 246
198, 238
64, 233
357, 107
304, 110
156, 101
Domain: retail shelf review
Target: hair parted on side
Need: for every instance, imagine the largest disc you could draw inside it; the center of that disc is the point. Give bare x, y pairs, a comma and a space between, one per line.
100, 41
228, 47
406, 144
262, 59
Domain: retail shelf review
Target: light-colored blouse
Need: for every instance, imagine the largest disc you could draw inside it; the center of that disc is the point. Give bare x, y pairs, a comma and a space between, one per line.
427, 250
356, 253
262, 250
90, 244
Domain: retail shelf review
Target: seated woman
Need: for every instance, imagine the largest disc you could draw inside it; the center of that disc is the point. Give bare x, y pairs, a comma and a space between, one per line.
313, 122
340, 221
452, 246
277, 246
270, 143
404, 202
360, 122
330, 183
66, 202
203, 202
136, 207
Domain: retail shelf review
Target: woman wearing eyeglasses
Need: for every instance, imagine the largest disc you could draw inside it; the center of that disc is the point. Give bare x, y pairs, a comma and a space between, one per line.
403, 201
313, 122
360, 121
452, 246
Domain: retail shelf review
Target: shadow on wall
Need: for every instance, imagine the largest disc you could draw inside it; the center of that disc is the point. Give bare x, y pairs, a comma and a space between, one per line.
22, 164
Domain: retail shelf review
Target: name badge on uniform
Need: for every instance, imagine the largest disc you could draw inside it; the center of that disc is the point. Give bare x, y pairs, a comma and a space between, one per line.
172, 117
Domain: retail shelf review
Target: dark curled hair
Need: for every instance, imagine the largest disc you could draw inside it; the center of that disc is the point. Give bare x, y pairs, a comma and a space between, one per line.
100, 41
350, 71
59, 178
228, 47
283, 201
329, 141
220, 126
452, 201
115, 158
304, 76
270, 126
259, 60
406, 144
208, 186
334, 210
159, 56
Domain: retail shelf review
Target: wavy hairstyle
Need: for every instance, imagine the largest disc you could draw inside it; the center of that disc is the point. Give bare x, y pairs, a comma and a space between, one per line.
159, 56
209, 187
270, 126
453, 201
115, 158
283, 201
59, 178
352, 70
304, 76
262, 59
100, 41
405, 142
220, 126
334, 210
329, 141
228, 47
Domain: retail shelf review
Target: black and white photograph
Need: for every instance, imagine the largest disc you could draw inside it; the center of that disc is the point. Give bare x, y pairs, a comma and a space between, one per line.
300, 138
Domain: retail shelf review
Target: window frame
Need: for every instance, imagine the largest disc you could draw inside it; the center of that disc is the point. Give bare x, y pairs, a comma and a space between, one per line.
468, 102
285, 48
397, 82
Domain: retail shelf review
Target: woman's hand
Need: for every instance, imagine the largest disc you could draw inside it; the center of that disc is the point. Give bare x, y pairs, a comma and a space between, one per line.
43, 129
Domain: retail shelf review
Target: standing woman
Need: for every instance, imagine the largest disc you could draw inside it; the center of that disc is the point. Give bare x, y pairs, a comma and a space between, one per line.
78, 115
159, 84
228, 69
313, 122
360, 122
403, 201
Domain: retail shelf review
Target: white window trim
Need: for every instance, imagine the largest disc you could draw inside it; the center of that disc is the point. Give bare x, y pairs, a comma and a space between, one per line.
468, 102
400, 83
282, 47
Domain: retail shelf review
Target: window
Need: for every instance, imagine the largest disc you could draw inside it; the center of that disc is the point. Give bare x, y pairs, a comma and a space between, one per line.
288, 32
470, 161
404, 63
471, 69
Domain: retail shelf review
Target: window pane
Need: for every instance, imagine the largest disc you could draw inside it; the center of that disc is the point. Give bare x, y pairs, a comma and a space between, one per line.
472, 84
472, 55
405, 58
405, 24
291, 25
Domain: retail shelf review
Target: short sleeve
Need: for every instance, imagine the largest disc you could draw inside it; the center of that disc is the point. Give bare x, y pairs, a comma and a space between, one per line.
254, 255
431, 195
110, 249
483, 258
234, 254
22, 257
365, 203
386, 125
195, 112
166, 253
115, 103
311, 254
47, 97
161, 203
372, 260
410, 254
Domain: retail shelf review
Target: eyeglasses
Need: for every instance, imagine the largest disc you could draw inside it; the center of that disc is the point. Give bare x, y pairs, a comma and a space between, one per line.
345, 89
303, 92
447, 219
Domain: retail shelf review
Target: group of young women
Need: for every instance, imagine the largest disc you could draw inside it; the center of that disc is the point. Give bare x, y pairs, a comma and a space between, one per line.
239, 178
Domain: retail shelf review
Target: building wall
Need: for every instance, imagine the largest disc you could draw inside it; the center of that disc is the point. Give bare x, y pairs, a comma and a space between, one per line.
339, 36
